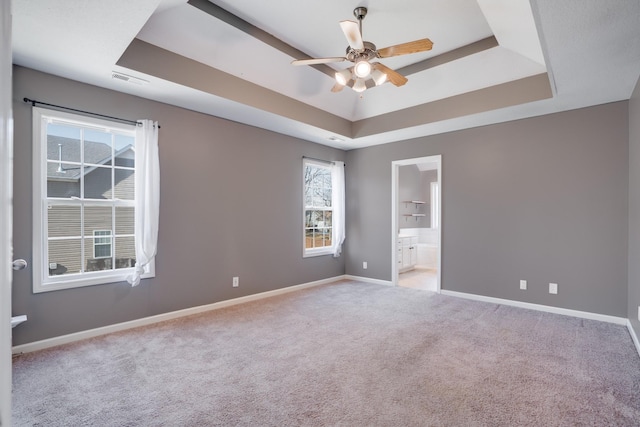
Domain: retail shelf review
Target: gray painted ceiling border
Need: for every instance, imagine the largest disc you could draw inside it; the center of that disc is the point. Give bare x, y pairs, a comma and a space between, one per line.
155, 61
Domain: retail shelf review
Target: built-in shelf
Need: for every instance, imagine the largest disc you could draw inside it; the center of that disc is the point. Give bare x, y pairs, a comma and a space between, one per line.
414, 202
415, 215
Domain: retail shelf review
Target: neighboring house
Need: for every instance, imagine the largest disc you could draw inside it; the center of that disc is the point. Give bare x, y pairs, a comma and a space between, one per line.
102, 244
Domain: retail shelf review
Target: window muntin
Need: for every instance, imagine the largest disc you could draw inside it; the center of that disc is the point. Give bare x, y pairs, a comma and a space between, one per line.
84, 200
318, 209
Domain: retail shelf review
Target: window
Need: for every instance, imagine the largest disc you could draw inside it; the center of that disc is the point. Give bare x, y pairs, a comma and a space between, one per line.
102, 243
84, 201
318, 209
324, 204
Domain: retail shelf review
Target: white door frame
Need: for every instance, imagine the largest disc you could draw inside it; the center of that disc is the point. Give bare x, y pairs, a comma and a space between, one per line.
6, 212
395, 203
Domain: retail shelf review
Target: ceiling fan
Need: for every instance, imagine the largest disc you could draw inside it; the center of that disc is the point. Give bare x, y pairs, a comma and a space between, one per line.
365, 73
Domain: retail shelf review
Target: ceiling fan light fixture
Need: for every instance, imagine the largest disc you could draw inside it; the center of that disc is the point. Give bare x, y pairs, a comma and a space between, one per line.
379, 77
362, 68
359, 85
343, 77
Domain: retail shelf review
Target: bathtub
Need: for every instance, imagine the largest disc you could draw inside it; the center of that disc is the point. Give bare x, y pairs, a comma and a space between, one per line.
427, 256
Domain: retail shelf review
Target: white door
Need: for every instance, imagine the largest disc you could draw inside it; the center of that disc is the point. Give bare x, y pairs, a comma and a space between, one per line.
6, 207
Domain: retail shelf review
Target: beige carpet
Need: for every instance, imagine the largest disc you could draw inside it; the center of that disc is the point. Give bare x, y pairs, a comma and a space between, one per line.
346, 354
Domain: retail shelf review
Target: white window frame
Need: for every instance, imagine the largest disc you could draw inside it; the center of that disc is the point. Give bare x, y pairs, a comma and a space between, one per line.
325, 250
42, 281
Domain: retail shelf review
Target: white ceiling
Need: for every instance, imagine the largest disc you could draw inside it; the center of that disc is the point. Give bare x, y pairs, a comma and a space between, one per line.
589, 50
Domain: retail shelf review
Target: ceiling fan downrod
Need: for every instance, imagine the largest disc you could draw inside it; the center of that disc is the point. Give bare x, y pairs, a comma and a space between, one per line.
360, 13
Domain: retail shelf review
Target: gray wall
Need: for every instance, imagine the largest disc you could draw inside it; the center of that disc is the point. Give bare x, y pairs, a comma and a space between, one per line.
634, 208
542, 199
410, 187
231, 205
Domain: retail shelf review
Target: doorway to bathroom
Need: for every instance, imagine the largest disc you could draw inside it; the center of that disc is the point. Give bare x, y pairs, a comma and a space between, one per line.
416, 221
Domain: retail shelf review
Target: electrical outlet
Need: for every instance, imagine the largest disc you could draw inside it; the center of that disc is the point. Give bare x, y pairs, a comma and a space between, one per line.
523, 285
364, 265
553, 288
236, 282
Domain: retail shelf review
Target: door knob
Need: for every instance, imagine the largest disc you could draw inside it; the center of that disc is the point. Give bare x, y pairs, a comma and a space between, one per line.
19, 264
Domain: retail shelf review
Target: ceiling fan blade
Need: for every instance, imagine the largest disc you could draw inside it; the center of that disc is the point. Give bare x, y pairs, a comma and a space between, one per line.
313, 61
406, 48
351, 31
392, 75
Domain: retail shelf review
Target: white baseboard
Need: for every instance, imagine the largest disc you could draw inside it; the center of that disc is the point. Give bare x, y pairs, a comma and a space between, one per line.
368, 280
77, 336
634, 336
539, 307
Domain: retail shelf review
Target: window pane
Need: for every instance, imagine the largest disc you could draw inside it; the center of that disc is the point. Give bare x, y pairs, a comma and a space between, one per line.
317, 219
124, 184
101, 250
97, 218
97, 262
125, 220
317, 189
318, 198
326, 197
97, 147
63, 143
63, 185
125, 252
124, 145
97, 183
327, 218
308, 239
64, 257
326, 237
63, 221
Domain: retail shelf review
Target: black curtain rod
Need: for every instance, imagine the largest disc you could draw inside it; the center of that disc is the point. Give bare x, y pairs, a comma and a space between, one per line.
34, 102
319, 160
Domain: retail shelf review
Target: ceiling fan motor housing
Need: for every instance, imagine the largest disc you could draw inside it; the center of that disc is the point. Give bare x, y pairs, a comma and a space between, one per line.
368, 53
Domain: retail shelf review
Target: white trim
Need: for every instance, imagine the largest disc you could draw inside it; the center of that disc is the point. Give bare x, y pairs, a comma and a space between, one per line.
539, 307
42, 281
368, 280
435, 205
395, 202
77, 336
634, 336
6, 211
324, 250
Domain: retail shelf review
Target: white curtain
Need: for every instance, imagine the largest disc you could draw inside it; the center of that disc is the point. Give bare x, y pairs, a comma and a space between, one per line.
337, 189
147, 190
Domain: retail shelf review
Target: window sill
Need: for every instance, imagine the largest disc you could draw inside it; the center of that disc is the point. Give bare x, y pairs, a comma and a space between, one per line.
317, 252
88, 279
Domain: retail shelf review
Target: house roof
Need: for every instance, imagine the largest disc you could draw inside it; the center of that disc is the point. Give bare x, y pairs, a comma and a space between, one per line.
492, 61
68, 150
